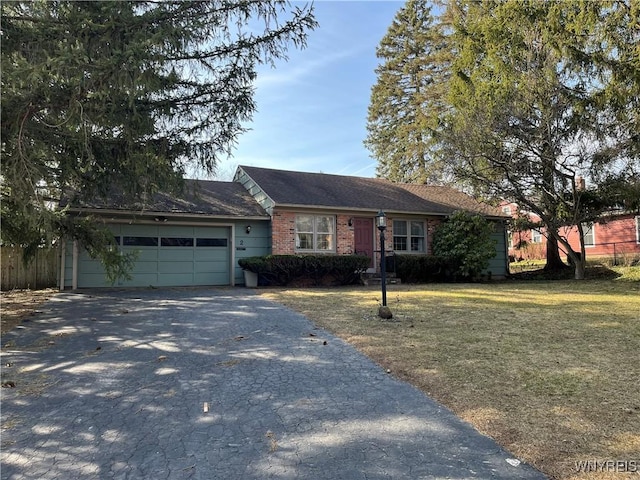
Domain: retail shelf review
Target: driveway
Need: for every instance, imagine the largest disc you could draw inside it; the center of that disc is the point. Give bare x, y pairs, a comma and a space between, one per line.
216, 384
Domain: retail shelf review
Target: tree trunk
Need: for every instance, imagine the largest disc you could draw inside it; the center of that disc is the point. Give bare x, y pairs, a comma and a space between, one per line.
554, 262
579, 269
581, 261
578, 262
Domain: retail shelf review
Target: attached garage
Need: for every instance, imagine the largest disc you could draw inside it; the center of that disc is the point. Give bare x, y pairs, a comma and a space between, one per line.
191, 241
167, 256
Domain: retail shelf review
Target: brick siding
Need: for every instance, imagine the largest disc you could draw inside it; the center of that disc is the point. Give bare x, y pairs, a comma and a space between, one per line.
284, 233
284, 229
344, 235
283, 236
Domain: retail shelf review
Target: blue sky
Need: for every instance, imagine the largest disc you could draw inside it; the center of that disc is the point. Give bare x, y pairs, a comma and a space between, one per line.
312, 110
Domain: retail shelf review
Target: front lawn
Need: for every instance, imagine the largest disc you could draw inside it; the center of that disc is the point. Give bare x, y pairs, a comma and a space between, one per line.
550, 369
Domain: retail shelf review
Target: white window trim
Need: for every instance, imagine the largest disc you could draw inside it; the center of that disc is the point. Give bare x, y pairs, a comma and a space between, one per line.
409, 237
539, 232
638, 229
315, 233
592, 226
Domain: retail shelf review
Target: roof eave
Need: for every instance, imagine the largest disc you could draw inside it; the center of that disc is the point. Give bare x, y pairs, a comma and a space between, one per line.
154, 213
375, 210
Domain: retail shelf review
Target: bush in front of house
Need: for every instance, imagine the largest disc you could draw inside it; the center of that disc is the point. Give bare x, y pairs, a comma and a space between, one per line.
306, 269
464, 241
423, 268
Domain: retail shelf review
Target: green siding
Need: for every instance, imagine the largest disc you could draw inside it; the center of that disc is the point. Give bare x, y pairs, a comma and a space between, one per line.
254, 190
253, 244
498, 264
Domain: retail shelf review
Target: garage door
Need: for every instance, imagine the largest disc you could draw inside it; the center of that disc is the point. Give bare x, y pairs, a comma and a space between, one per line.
166, 256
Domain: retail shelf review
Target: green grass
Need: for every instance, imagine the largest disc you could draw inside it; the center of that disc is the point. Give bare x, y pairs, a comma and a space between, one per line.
548, 368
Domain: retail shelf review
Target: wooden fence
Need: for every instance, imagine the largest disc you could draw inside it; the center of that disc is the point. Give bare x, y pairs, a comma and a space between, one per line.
42, 272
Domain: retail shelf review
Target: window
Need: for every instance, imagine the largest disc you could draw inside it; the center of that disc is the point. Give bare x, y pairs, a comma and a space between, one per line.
211, 242
315, 233
536, 236
408, 236
589, 234
506, 210
638, 229
140, 241
176, 242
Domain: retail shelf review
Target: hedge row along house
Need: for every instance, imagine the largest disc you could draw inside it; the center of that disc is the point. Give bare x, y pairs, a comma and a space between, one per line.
197, 240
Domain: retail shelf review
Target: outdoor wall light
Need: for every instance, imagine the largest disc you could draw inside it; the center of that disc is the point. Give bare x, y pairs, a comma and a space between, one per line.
350, 222
248, 229
160, 219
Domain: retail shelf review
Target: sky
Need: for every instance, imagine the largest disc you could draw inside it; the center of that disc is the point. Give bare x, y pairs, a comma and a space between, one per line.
312, 109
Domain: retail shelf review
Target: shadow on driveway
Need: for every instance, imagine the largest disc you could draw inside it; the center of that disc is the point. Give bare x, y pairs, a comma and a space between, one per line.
115, 384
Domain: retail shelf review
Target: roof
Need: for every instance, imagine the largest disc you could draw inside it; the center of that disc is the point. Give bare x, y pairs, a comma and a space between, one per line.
287, 188
453, 198
205, 197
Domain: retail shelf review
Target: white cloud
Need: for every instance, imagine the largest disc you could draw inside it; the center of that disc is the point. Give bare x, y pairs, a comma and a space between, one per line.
293, 73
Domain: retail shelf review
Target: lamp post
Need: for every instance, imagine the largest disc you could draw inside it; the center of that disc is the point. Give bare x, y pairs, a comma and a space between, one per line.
381, 220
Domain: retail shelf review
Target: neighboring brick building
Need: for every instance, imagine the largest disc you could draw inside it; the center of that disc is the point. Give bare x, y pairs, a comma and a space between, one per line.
615, 235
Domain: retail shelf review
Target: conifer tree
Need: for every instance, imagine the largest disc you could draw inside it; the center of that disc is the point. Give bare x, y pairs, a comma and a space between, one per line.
406, 100
543, 93
521, 99
126, 94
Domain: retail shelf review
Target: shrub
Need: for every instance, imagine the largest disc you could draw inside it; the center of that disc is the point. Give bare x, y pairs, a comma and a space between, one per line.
423, 268
313, 269
464, 241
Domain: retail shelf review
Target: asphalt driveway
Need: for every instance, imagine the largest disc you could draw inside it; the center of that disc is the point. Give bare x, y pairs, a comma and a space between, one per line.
216, 384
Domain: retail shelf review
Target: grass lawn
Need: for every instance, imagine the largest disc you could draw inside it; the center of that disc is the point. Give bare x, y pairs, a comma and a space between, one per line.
550, 369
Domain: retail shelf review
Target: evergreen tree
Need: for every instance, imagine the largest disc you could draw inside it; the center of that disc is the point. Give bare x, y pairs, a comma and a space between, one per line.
406, 100
542, 93
519, 99
126, 94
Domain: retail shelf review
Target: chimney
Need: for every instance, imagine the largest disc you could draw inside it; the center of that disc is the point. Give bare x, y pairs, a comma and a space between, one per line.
580, 183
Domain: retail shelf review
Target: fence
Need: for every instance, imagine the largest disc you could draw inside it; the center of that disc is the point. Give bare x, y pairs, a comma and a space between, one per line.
612, 253
42, 272
616, 253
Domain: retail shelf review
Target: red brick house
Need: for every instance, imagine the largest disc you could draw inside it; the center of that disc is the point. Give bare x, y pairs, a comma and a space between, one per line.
196, 237
334, 214
615, 235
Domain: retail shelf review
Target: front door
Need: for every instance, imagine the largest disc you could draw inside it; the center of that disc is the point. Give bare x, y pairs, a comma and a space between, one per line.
363, 236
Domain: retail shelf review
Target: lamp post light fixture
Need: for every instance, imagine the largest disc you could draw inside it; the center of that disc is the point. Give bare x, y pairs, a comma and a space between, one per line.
381, 221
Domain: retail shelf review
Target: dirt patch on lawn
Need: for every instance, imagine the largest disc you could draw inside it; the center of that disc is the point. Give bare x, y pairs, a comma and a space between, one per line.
18, 305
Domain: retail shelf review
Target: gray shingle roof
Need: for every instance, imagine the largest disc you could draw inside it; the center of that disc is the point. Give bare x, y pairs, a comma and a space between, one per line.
199, 197
344, 192
453, 198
